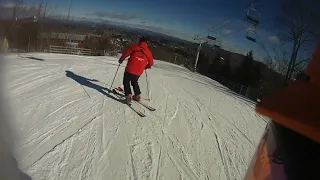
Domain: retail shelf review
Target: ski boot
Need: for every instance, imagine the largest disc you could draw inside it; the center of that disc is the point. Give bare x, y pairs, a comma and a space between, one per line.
136, 97
128, 98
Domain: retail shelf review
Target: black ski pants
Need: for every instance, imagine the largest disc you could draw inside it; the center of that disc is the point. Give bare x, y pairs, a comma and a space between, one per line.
133, 79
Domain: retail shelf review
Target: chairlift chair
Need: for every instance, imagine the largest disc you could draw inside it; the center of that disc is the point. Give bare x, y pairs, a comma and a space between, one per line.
253, 16
252, 36
211, 37
217, 44
251, 39
210, 40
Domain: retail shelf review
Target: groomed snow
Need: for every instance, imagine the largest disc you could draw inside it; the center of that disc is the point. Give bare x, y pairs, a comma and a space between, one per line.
71, 128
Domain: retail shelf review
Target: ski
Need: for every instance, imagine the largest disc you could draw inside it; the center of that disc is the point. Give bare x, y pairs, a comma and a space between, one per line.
146, 105
119, 90
141, 114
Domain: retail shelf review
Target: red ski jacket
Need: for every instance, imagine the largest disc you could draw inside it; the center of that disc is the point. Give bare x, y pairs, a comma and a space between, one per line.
140, 58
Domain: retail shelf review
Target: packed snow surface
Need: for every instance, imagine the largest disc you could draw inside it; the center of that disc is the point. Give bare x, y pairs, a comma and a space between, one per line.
71, 127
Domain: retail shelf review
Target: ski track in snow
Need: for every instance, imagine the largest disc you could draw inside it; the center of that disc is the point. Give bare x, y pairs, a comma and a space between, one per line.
200, 129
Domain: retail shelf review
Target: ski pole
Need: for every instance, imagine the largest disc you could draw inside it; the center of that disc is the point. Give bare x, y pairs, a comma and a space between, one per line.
115, 76
85, 91
147, 85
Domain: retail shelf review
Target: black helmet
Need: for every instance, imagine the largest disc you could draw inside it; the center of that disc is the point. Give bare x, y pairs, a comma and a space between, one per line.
143, 39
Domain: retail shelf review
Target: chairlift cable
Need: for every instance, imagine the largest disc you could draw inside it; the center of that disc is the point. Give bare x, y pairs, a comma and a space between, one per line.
215, 28
244, 29
211, 29
255, 1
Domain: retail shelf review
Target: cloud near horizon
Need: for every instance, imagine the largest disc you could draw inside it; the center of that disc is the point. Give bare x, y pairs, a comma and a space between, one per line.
227, 31
273, 39
170, 32
124, 17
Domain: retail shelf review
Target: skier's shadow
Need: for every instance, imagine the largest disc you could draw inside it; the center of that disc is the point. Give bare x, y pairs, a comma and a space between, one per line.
34, 58
88, 83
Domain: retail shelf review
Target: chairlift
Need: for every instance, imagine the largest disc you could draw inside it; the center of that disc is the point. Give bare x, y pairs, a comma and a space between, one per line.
252, 36
197, 37
211, 38
217, 44
253, 16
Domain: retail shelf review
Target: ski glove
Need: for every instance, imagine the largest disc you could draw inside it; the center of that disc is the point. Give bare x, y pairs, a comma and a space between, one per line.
120, 61
147, 67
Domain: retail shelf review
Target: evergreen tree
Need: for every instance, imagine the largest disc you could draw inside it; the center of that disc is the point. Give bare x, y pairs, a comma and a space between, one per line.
246, 69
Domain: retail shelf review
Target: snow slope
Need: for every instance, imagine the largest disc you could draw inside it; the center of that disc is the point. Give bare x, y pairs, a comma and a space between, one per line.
71, 128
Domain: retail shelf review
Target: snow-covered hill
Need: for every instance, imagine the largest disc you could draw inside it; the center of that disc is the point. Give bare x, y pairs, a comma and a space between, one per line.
72, 128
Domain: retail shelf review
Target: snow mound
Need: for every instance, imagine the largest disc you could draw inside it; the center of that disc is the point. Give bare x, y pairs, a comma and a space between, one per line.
71, 127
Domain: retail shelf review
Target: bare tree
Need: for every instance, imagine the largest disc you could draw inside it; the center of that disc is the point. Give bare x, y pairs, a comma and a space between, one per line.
71, 2
42, 8
278, 60
300, 66
17, 6
40, 5
281, 59
298, 29
52, 11
268, 60
46, 2
273, 74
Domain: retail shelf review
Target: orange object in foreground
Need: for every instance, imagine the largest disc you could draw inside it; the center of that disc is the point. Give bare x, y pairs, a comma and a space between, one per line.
296, 106
290, 146
313, 69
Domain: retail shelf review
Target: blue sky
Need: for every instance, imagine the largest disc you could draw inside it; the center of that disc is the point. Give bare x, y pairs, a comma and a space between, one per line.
186, 18
183, 18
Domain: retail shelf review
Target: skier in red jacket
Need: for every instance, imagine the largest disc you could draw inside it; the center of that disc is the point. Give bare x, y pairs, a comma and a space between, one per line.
140, 59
